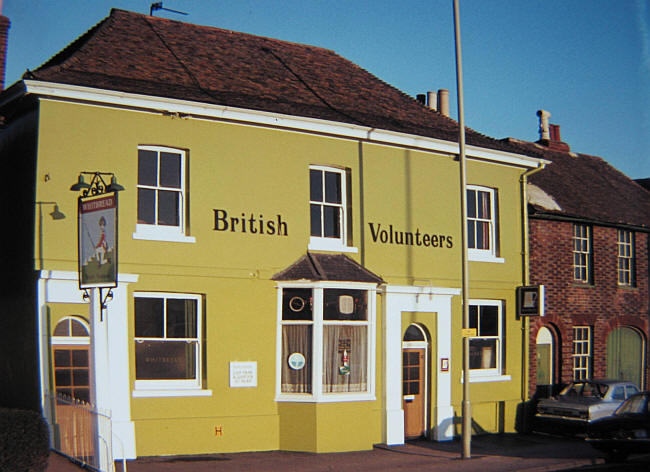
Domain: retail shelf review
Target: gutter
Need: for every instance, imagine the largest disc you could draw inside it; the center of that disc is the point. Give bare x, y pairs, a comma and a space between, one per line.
578, 219
200, 110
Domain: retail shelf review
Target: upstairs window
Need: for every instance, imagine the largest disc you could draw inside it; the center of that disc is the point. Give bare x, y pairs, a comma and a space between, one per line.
582, 261
162, 196
328, 207
481, 223
625, 246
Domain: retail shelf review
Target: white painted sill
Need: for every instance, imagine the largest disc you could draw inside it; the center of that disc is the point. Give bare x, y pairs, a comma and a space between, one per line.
329, 398
479, 256
171, 393
329, 244
480, 378
158, 233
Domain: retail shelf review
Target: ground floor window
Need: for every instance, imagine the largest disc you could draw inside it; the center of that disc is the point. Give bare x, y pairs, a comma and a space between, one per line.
167, 340
325, 340
485, 349
581, 352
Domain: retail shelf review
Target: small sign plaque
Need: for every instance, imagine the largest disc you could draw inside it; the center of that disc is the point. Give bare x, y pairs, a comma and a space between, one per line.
243, 374
469, 332
530, 300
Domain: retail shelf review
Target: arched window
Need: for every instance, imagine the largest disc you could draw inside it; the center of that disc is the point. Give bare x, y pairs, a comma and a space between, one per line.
71, 327
414, 333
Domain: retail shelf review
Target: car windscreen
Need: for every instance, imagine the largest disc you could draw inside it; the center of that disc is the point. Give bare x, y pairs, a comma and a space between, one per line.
585, 390
635, 404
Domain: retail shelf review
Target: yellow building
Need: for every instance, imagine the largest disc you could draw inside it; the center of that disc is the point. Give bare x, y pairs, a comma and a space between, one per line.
287, 246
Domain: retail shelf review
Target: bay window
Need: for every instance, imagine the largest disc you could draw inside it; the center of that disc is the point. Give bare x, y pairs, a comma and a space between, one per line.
326, 339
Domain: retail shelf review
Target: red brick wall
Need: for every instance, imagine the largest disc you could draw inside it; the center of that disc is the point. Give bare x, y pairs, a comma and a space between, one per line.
4, 32
603, 305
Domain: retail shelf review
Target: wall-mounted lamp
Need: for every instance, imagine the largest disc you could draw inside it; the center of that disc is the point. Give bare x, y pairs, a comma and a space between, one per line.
97, 184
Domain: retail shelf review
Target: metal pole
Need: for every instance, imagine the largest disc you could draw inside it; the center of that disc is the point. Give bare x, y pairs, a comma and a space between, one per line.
467, 411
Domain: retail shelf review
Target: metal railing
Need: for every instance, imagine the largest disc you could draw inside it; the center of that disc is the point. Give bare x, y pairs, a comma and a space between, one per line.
83, 433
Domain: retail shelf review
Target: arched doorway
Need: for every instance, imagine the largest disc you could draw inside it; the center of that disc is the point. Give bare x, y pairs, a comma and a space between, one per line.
544, 351
415, 382
625, 358
74, 427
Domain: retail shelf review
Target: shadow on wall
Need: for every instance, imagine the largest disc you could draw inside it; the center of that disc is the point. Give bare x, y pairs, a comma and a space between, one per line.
525, 418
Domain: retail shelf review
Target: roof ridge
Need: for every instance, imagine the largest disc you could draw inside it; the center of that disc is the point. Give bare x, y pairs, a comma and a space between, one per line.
216, 28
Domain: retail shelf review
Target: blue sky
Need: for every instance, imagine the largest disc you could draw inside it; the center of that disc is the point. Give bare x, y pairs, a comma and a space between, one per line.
587, 62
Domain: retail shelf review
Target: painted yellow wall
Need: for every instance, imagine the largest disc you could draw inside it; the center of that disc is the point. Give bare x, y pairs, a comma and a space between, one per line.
252, 170
329, 427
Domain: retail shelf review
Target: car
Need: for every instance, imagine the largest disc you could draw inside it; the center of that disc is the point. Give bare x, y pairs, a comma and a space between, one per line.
584, 401
626, 432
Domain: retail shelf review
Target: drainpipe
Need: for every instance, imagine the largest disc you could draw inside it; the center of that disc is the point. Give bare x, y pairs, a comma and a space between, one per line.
525, 367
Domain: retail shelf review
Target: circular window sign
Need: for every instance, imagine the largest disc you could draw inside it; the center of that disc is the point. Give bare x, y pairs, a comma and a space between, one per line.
296, 361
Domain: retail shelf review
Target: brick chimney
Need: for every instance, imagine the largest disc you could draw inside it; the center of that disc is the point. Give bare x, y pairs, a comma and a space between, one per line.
4, 33
549, 134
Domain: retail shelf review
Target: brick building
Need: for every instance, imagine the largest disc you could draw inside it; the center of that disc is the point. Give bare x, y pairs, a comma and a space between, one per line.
589, 235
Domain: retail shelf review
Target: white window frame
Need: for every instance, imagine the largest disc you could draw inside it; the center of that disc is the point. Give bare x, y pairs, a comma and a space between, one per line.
162, 388
340, 244
625, 262
72, 340
582, 353
496, 372
582, 248
317, 395
155, 232
485, 255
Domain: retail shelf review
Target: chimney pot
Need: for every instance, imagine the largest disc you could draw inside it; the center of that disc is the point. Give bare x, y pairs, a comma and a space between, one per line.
421, 98
432, 100
443, 101
544, 132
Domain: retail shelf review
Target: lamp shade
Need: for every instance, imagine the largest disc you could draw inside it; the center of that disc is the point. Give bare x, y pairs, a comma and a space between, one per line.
114, 186
80, 185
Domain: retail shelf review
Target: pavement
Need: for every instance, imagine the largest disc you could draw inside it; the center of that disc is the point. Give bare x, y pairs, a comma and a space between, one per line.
489, 453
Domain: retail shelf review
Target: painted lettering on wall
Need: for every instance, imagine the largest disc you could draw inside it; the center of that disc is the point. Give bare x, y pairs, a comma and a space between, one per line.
388, 235
249, 223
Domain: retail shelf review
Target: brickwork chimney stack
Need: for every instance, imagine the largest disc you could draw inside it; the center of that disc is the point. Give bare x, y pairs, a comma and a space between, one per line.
4, 33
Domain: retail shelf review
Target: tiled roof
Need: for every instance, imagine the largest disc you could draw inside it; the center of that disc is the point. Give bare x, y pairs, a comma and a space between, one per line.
154, 56
322, 267
587, 187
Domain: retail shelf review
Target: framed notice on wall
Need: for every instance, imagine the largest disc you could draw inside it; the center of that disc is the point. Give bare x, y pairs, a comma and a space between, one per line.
530, 300
97, 241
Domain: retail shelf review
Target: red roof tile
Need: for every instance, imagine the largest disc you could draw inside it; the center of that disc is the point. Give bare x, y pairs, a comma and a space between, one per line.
142, 54
333, 267
587, 187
